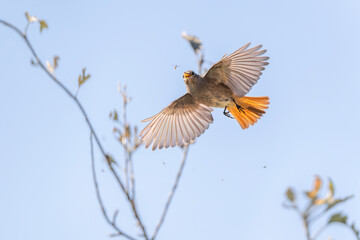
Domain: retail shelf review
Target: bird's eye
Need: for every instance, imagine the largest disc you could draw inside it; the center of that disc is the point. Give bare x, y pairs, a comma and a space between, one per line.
192, 73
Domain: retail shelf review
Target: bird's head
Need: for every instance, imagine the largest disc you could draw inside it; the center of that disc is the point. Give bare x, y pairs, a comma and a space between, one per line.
189, 75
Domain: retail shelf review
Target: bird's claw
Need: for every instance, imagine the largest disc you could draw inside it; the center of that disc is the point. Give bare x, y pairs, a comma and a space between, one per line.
239, 108
227, 113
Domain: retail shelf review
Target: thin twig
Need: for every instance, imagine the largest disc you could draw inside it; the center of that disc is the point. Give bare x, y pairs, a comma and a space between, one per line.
132, 176
171, 195
12, 27
130, 200
126, 138
305, 218
306, 226
112, 223
317, 234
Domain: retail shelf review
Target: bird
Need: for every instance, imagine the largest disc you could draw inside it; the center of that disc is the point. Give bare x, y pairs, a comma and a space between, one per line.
224, 85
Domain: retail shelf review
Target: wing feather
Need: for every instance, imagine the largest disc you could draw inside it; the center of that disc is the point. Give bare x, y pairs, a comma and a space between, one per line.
178, 124
158, 133
179, 135
240, 70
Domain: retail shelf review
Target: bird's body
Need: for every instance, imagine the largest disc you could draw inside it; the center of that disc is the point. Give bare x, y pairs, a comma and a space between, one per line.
209, 93
223, 86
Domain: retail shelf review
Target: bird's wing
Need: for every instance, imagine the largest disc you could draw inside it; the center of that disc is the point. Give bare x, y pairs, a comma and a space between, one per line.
181, 122
239, 70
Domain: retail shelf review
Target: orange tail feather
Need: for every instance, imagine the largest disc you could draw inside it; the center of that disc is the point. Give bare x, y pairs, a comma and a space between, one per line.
253, 108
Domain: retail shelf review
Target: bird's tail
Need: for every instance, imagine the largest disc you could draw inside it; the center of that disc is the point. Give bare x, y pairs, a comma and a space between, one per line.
252, 110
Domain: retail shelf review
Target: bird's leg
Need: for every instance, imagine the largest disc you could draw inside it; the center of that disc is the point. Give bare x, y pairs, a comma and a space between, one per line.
240, 108
226, 113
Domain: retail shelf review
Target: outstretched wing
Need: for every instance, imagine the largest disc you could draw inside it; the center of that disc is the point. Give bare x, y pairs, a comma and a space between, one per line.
181, 122
239, 70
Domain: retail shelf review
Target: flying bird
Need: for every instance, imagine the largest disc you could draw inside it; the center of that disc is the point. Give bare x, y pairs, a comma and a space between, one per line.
224, 85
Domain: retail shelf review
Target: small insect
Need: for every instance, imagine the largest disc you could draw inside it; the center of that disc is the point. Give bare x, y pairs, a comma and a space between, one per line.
175, 66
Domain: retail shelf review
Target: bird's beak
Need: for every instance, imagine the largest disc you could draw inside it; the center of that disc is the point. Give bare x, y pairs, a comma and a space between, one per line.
186, 75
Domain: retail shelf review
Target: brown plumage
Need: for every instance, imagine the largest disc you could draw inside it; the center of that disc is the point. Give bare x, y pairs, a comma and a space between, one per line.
224, 85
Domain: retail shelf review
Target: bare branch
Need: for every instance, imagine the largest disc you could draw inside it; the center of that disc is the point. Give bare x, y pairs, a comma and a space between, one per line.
171, 195
320, 231
306, 226
132, 176
12, 27
130, 200
98, 195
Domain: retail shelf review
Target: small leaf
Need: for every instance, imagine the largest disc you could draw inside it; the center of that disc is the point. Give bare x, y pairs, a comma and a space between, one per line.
56, 60
331, 187
116, 117
117, 133
321, 201
317, 185
49, 67
43, 25
83, 77
338, 217
290, 195
30, 18
127, 131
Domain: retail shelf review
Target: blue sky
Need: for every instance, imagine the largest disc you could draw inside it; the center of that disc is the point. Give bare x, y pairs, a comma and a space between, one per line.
310, 128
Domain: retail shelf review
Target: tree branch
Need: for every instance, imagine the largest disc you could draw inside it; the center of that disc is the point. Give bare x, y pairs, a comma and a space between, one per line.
317, 234
73, 97
112, 223
130, 200
171, 195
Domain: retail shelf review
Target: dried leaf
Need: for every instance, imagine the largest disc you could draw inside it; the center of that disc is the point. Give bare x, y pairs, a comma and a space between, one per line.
127, 131
290, 195
321, 201
116, 117
117, 133
338, 217
194, 42
56, 60
43, 25
83, 77
317, 185
331, 187
30, 18
49, 67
